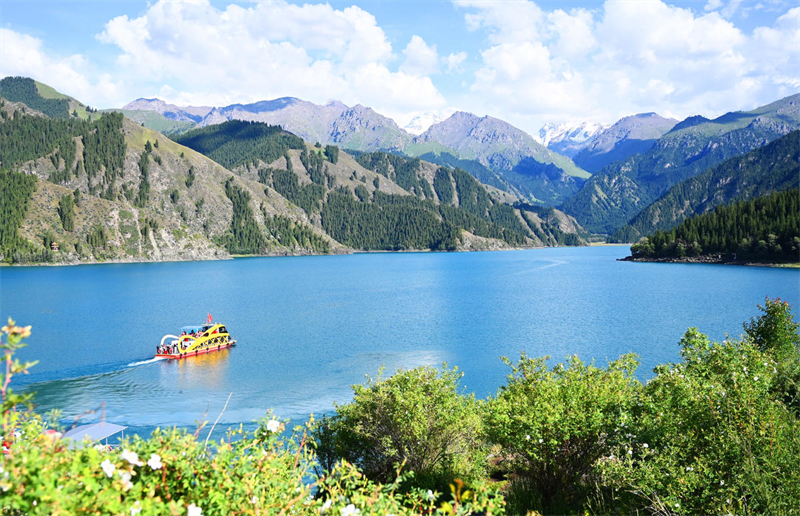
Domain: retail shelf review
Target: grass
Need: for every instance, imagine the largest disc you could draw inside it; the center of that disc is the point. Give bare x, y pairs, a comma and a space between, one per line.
49, 92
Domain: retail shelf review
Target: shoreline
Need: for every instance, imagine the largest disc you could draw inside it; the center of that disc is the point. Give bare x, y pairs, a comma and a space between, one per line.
709, 260
281, 255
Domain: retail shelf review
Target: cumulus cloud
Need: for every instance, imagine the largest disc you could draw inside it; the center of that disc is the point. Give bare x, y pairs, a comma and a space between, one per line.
421, 59
624, 58
217, 56
24, 55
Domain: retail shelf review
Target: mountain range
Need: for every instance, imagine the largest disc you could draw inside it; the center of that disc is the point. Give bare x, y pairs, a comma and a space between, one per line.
618, 192
109, 189
772, 168
523, 166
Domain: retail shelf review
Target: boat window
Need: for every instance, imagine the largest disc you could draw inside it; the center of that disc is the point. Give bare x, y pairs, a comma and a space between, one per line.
223, 330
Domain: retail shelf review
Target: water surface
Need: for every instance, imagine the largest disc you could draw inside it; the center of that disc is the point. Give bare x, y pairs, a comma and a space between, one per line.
309, 327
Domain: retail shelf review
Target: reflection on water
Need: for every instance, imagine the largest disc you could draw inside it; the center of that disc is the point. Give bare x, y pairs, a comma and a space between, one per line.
310, 327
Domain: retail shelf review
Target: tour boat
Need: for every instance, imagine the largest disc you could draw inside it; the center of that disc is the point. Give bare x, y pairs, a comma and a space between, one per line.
195, 340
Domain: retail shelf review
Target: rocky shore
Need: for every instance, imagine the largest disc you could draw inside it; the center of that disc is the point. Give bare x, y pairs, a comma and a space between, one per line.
708, 259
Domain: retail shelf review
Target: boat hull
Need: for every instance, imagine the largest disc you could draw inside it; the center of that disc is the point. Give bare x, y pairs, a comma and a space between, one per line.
210, 349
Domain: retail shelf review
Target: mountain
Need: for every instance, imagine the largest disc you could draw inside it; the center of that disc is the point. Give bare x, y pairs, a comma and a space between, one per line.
156, 121
112, 190
568, 139
774, 167
378, 200
186, 114
630, 135
617, 193
529, 170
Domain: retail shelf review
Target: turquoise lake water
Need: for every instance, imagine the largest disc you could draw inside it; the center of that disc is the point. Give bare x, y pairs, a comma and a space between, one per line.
309, 327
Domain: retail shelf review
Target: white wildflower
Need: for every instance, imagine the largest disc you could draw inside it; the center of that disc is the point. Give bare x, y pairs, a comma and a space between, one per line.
350, 510
131, 457
527, 437
108, 468
273, 425
194, 510
756, 378
429, 495
630, 452
155, 461
326, 505
126, 480
136, 509
645, 445
254, 500
722, 482
541, 441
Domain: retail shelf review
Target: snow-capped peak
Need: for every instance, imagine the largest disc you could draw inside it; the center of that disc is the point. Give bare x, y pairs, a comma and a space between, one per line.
551, 133
420, 123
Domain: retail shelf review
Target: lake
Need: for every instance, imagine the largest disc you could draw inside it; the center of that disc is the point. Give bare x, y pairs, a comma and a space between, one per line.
309, 327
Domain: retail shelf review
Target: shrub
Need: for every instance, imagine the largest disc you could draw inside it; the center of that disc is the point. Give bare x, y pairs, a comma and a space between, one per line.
553, 424
416, 419
707, 437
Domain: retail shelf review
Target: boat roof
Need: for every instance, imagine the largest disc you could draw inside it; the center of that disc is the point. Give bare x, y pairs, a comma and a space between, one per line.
94, 432
197, 326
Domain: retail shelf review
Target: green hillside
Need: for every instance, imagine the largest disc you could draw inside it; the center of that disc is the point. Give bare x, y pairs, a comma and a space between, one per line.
771, 168
613, 196
762, 229
234, 143
25, 90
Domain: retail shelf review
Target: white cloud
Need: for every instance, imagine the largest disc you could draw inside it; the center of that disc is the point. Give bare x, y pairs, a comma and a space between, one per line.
454, 61
421, 59
24, 55
713, 5
626, 57
241, 54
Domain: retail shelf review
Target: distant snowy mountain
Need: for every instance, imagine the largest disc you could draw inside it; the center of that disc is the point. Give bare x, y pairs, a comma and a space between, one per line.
568, 138
420, 123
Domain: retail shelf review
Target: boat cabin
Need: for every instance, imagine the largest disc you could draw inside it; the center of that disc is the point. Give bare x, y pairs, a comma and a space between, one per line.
197, 329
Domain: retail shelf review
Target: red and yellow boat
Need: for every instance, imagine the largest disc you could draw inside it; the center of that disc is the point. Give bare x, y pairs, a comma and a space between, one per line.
195, 340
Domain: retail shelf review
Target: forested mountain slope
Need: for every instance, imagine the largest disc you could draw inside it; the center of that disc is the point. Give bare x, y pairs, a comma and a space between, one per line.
761, 229
616, 194
379, 200
113, 190
768, 169
515, 161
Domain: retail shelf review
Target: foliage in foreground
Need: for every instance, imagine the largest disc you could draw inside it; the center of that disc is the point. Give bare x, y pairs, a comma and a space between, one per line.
175, 473
716, 433
416, 418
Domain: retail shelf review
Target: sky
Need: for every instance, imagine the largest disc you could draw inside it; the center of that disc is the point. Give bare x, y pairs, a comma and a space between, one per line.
526, 62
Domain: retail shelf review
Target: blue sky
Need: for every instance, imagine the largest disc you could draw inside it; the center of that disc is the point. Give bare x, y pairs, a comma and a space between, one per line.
523, 61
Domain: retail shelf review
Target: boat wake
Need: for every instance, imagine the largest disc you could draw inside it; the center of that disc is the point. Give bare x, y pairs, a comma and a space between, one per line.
143, 362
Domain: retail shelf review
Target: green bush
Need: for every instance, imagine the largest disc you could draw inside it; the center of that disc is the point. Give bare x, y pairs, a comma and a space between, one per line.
416, 420
707, 437
553, 424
